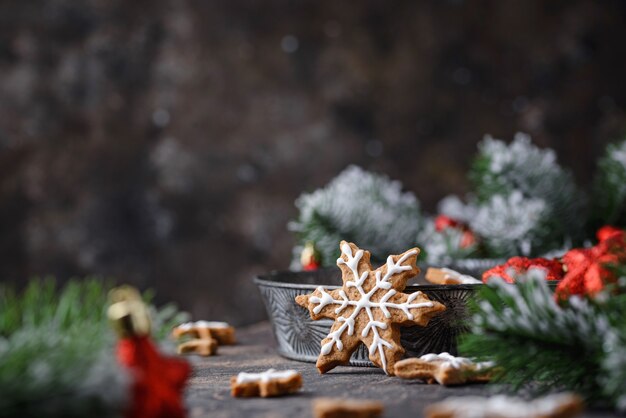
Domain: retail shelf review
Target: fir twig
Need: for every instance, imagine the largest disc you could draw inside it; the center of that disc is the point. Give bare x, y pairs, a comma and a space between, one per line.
609, 189
501, 170
545, 347
366, 208
57, 350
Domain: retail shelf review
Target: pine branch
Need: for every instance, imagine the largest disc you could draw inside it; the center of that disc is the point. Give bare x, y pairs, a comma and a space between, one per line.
512, 225
440, 247
543, 346
609, 189
362, 207
500, 170
57, 350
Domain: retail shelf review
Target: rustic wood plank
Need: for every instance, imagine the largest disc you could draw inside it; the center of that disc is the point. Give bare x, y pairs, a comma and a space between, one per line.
209, 390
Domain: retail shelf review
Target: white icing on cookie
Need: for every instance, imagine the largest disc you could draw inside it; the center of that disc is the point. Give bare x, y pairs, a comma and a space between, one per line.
202, 324
266, 376
378, 343
448, 360
461, 278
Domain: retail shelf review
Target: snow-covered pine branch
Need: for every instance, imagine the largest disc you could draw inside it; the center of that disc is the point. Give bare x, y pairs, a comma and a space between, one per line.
441, 247
511, 225
520, 167
609, 193
577, 345
361, 206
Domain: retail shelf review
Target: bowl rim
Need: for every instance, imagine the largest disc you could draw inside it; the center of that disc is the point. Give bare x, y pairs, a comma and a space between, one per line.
265, 280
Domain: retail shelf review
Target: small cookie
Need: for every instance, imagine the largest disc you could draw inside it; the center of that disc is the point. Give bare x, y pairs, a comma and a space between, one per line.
265, 384
202, 347
444, 369
370, 308
449, 276
346, 408
221, 331
562, 405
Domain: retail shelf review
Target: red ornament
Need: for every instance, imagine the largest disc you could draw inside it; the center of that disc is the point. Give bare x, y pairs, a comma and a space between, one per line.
467, 239
158, 381
443, 222
519, 265
310, 257
587, 272
312, 266
582, 271
609, 232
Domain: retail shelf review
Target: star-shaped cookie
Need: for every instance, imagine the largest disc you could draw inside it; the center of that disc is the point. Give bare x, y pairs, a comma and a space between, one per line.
445, 369
369, 308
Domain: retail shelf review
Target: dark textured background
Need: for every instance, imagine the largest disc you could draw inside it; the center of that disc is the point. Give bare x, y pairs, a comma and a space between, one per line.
163, 142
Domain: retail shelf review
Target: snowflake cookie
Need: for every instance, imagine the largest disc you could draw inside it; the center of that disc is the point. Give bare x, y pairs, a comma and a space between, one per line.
369, 308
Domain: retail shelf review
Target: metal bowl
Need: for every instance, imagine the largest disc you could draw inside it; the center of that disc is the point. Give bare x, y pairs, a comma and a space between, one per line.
299, 337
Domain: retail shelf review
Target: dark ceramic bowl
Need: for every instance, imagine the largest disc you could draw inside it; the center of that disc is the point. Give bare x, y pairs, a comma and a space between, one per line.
299, 337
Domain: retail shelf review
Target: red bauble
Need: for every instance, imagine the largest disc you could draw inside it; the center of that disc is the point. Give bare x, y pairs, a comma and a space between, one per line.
609, 232
157, 381
467, 239
310, 257
442, 222
312, 266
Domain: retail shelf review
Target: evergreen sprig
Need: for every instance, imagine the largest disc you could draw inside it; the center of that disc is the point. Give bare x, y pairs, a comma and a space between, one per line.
513, 224
543, 346
441, 247
520, 167
57, 350
609, 189
359, 206
522, 203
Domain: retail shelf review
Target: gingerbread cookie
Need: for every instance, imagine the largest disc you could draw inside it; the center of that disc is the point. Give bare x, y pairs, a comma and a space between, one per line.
200, 346
221, 331
265, 384
562, 405
369, 308
346, 408
449, 276
444, 369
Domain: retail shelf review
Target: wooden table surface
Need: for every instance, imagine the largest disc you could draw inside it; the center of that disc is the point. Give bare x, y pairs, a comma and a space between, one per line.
208, 394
